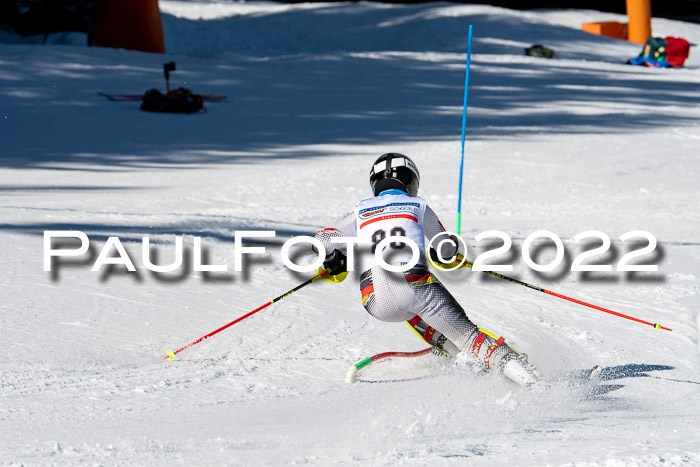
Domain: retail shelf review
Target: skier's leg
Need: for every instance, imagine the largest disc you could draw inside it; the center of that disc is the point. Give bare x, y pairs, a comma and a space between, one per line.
437, 308
386, 295
399, 297
432, 336
383, 300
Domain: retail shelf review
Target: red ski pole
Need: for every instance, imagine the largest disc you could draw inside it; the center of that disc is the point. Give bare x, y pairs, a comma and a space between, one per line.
171, 355
469, 264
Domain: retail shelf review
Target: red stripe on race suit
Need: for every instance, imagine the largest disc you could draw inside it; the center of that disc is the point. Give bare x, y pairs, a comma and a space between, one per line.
391, 216
416, 277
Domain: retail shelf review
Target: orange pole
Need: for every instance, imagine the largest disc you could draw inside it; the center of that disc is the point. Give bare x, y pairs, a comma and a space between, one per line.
639, 14
129, 24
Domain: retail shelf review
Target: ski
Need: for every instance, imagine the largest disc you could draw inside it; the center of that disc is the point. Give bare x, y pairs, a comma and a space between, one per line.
594, 374
588, 383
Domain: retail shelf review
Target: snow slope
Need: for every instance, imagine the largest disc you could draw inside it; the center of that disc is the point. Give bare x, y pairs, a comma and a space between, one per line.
316, 93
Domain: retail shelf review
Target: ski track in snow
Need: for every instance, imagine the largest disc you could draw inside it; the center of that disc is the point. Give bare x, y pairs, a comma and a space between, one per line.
315, 93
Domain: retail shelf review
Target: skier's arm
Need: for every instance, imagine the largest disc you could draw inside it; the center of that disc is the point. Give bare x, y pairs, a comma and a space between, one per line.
335, 258
432, 227
345, 228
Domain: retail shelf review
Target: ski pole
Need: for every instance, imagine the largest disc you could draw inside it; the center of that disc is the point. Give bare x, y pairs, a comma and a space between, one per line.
469, 264
171, 355
464, 128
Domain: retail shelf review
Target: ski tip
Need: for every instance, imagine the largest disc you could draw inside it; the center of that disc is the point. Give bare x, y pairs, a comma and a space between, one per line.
594, 373
170, 355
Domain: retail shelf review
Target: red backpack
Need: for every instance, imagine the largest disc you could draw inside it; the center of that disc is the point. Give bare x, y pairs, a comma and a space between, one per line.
677, 50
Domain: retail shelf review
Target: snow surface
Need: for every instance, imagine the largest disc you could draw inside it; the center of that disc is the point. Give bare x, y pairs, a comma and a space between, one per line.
315, 93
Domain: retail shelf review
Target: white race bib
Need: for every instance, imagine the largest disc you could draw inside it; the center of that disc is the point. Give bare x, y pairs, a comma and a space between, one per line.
388, 216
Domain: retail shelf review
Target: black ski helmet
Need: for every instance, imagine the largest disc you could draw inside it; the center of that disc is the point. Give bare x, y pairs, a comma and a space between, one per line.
394, 170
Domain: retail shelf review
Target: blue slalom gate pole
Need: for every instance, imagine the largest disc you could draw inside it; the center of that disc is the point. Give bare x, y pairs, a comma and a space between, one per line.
464, 128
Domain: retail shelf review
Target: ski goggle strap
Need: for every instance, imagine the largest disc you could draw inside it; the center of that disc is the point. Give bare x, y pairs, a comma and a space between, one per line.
393, 162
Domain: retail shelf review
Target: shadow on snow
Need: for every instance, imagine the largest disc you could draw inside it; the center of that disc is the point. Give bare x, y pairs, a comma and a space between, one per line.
353, 81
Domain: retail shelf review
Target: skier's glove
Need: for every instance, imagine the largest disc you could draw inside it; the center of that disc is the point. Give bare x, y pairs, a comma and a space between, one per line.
336, 264
437, 264
434, 258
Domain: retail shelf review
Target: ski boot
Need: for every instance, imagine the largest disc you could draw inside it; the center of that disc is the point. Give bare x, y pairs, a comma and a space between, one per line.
442, 346
522, 372
495, 354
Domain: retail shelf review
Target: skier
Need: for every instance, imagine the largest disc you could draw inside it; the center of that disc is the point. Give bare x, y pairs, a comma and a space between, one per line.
415, 295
